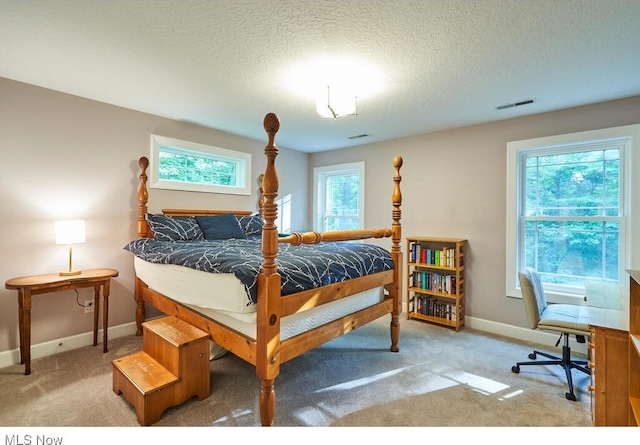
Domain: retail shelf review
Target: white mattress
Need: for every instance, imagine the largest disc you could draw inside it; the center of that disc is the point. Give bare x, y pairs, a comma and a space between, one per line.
222, 297
218, 291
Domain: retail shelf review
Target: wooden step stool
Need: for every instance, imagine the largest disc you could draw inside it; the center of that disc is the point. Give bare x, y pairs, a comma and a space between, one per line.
172, 368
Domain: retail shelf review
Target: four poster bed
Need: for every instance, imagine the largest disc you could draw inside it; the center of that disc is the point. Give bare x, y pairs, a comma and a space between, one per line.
292, 292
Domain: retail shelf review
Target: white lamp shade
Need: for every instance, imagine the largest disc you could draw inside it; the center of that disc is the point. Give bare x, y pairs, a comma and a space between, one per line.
70, 231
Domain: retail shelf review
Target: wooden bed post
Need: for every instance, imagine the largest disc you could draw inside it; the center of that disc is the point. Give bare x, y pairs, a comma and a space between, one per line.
143, 228
268, 316
395, 289
143, 198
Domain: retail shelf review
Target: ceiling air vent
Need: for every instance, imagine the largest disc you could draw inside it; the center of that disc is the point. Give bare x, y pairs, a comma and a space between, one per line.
515, 104
358, 136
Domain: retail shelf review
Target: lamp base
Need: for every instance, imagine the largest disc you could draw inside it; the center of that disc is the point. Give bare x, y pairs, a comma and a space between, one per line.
70, 273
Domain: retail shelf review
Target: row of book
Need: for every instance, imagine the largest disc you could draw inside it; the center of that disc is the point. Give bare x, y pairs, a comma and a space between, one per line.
436, 282
433, 307
445, 257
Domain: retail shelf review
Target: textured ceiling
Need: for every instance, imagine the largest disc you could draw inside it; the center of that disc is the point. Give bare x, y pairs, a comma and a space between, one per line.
223, 64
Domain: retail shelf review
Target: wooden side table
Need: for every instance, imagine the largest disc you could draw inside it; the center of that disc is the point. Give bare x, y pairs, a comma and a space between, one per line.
43, 284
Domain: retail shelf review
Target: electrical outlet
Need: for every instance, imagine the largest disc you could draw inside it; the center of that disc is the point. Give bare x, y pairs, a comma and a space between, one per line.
88, 306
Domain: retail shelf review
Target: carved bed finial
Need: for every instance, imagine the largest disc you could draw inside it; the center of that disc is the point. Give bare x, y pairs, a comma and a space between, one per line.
271, 123
271, 126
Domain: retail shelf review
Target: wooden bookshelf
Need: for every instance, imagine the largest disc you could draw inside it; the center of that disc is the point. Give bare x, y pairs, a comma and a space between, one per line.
436, 280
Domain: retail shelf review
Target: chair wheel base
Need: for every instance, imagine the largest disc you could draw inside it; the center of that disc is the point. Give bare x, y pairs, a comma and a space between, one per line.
570, 396
515, 369
533, 356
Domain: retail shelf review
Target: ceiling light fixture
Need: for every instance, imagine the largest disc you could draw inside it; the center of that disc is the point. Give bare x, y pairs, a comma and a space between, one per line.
336, 102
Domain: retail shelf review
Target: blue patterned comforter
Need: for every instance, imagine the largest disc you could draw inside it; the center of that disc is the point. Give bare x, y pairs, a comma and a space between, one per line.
301, 267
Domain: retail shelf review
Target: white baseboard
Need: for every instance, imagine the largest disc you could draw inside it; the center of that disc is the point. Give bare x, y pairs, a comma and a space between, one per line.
8, 358
546, 339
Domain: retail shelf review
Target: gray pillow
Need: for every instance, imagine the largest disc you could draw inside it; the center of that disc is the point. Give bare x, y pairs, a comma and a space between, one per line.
223, 226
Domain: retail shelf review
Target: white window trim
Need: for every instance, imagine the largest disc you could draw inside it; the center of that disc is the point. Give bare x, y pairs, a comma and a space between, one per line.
283, 221
244, 183
319, 174
630, 203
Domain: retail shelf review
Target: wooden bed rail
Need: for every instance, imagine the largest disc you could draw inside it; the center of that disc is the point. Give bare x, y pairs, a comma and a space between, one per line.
297, 238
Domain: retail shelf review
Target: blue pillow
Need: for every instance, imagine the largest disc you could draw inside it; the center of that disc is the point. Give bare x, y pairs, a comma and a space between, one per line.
251, 225
223, 226
174, 228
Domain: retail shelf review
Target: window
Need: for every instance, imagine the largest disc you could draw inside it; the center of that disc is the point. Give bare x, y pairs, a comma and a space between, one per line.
182, 165
568, 212
339, 197
283, 221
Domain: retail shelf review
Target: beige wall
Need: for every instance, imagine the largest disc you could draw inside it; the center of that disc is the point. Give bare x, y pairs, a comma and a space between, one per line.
62, 156
454, 185
66, 157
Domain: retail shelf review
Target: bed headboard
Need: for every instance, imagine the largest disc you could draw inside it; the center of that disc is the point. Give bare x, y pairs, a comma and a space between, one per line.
143, 198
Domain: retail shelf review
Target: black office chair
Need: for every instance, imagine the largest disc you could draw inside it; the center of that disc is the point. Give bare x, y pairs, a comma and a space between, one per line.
567, 319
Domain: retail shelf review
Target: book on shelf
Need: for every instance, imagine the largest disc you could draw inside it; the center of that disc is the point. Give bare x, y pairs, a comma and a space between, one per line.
433, 257
431, 306
435, 282
413, 252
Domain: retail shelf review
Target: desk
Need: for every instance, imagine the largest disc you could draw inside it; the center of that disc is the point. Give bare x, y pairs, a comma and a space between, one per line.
609, 364
43, 284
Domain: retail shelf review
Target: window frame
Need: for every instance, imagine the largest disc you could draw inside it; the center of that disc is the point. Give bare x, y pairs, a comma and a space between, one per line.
628, 137
283, 221
319, 179
243, 160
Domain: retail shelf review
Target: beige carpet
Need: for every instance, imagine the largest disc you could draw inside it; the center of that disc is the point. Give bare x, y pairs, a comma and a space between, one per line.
439, 378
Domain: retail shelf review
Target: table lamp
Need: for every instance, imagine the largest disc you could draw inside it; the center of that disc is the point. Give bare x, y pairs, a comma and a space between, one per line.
70, 232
